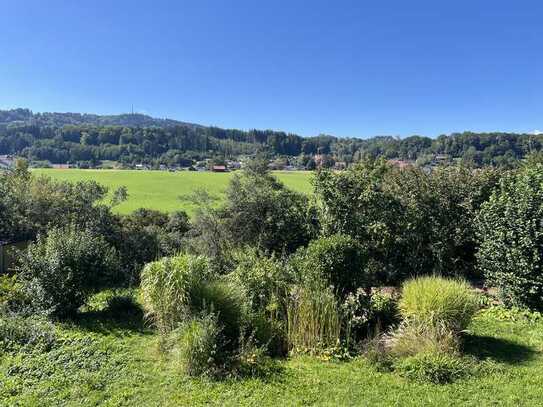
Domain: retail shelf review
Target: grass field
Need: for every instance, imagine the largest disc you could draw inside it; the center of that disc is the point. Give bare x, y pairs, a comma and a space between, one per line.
161, 190
114, 362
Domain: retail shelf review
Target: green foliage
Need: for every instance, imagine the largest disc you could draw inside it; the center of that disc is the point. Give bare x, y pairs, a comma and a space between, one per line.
264, 280
411, 222
227, 302
502, 313
438, 301
18, 331
12, 296
197, 346
337, 261
511, 238
147, 235
32, 205
383, 310
168, 289
260, 211
313, 321
437, 368
61, 270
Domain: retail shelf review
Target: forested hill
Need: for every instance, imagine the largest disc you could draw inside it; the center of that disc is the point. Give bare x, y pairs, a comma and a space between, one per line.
27, 117
137, 138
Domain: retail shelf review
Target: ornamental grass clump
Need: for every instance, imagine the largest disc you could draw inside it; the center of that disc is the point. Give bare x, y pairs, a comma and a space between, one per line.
439, 302
168, 289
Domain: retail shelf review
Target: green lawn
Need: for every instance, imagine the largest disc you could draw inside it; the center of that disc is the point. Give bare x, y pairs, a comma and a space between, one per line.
115, 363
161, 190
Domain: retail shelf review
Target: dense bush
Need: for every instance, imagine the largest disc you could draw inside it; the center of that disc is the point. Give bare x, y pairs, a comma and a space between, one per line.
224, 300
264, 280
438, 301
169, 287
337, 261
147, 235
12, 296
61, 270
511, 238
31, 205
410, 221
197, 346
262, 212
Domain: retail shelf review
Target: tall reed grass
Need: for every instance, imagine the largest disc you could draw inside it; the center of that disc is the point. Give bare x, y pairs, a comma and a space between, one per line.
313, 320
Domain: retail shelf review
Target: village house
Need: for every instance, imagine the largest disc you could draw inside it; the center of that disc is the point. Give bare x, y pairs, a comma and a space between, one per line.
6, 162
219, 168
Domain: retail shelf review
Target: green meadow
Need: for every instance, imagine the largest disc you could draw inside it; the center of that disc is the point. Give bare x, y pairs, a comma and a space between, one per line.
163, 190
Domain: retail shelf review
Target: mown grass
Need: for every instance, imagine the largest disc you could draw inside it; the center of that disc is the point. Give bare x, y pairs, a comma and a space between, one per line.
103, 360
161, 189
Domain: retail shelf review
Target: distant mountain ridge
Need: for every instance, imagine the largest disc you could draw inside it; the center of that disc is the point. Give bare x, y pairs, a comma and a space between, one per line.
26, 116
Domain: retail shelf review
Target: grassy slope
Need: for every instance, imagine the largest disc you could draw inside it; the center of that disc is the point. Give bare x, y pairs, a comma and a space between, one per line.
115, 363
161, 190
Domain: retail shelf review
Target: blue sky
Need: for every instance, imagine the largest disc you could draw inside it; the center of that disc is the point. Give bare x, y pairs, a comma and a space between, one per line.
348, 68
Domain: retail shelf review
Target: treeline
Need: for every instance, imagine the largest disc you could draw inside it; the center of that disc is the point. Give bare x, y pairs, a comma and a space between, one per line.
135, 138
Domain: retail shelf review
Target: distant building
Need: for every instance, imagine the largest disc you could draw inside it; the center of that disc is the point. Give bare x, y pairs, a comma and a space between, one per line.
61, 166
401, 164
6, 162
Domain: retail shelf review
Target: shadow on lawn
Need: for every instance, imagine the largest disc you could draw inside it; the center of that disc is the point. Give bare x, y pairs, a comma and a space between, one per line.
501, 350
106, 322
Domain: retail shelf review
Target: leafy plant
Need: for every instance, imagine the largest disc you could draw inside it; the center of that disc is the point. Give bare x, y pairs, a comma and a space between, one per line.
337, 261
17, 331
61, 270
511, 238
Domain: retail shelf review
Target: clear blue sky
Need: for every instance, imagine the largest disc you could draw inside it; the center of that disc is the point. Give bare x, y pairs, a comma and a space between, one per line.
349, 68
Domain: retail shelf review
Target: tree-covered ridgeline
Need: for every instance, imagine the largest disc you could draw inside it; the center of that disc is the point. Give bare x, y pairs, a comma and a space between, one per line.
137, 138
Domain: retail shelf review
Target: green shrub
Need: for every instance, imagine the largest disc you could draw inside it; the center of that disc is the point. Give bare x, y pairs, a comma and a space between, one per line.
383, 310
17, 331
313, 320
61, 270
197, 346
168, 288
439, 302
337, 261
437, 368
12, 296
263, 280
510, 232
